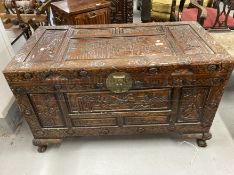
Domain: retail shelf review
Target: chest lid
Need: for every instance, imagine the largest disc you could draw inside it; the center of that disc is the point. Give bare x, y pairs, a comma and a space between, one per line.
117, 45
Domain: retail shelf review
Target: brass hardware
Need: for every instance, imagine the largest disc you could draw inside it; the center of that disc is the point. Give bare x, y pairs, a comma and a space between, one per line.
83, 73
141, 130
153, 70
27, 112
99, 85
119, 82
212, 67
58, 86
92, 14
104, 132
27, 76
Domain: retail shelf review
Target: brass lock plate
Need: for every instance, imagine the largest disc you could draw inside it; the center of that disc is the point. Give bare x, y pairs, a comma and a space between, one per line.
119, 82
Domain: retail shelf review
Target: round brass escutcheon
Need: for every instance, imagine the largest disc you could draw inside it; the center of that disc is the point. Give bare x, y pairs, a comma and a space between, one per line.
119, 82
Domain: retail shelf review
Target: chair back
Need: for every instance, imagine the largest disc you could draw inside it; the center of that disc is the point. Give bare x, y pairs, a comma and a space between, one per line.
224, 8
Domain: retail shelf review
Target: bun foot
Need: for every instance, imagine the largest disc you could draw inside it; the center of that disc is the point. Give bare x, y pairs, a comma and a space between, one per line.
201, 143
43, 143
41, 149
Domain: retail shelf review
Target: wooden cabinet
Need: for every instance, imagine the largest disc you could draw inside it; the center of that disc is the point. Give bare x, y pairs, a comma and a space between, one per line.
77, 12
93, 17
121, 79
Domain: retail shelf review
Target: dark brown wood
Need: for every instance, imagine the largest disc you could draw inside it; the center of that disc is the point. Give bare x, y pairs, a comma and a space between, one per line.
121, 11
119, 80
87, 12
74, 12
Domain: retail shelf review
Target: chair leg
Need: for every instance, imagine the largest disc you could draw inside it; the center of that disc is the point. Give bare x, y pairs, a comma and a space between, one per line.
145, 11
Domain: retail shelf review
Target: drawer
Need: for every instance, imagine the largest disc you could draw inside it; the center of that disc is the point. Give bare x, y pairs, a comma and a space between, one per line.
105, 101
120, 118
100, 16
92, 122
147, 118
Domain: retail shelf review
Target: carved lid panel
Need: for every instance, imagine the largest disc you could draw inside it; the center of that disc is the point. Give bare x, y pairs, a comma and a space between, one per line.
122, 45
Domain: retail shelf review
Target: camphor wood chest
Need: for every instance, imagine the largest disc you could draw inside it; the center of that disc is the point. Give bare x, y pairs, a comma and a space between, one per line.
119, 80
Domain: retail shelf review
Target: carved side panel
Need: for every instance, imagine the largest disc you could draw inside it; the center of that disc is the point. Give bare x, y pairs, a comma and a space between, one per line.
130, 101
192, 104
47, 110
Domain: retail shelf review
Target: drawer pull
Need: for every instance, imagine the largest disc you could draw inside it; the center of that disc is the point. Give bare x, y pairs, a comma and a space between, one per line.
153, 70
83, 73
141, 130
119, 82
92, 14
57, 86
104, 132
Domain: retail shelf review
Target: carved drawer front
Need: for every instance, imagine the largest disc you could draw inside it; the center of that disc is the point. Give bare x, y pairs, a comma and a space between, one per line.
152, 99
146, 118
47, 110
92, 122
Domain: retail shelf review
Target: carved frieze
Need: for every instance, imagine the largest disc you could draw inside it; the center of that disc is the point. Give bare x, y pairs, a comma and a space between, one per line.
106, 101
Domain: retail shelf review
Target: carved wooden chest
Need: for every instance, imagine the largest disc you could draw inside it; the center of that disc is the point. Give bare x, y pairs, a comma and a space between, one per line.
119, 80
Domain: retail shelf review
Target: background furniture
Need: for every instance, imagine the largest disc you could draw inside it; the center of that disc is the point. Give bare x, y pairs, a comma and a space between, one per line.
27, 14
214, 16
121, 11
112, 80
74, 12
162, 10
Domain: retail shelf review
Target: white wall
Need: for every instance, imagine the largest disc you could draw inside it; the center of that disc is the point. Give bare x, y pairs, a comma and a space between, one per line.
6, 54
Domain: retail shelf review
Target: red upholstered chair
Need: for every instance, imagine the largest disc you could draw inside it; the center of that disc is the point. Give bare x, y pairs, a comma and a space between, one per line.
216, 16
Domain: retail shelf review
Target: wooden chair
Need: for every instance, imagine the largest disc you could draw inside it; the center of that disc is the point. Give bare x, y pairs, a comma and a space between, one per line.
214, 16
162, 10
